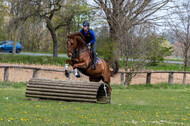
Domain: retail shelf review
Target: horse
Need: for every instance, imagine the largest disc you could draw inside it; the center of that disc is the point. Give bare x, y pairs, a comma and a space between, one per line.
81, 59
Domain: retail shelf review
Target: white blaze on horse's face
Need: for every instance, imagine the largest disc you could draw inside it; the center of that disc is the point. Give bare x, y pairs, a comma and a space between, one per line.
70, 47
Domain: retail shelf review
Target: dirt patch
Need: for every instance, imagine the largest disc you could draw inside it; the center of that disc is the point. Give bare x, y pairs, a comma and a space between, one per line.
23, 75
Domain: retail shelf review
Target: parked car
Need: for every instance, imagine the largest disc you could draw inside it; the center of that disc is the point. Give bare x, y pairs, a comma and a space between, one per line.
8, 46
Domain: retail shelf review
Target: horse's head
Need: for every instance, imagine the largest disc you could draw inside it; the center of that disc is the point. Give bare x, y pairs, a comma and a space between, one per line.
75, 41
71, 45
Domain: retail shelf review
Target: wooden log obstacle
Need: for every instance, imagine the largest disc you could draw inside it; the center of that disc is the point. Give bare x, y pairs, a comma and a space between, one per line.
70, 91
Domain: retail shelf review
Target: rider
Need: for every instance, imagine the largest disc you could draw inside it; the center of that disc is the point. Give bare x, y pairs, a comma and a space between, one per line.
90, 40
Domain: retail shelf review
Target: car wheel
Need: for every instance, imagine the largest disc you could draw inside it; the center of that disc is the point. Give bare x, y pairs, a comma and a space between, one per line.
10, 51
18, 51
1, 49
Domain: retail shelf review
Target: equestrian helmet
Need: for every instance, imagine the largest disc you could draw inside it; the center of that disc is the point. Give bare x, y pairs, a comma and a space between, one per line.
86, 23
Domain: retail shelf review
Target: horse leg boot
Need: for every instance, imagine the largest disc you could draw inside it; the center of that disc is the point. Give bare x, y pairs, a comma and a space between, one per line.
76, 73
66, 70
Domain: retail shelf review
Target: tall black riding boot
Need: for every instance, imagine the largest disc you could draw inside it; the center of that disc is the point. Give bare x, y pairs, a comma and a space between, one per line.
94, 61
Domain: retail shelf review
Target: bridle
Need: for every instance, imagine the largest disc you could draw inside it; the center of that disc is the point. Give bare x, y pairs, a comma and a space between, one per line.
75, 53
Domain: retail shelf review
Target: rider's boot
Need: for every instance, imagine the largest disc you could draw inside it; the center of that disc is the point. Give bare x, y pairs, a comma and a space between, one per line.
94, 62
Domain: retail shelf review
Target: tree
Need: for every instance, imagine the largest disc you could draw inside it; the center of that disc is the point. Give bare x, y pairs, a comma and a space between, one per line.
181, 29
158, 48
122, 15
3, 17
47, 12
105, 46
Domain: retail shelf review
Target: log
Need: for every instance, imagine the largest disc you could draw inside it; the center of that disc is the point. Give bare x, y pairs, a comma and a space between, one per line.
72, 91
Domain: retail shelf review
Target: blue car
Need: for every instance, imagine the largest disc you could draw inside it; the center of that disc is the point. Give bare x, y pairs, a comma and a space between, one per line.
8, 46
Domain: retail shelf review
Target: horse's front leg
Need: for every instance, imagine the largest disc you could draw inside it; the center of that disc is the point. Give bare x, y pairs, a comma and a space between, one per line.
78, 65
67, 67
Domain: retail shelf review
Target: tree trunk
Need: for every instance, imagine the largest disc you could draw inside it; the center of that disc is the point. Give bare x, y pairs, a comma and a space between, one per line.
114, 37
54, 37
15, 39
128, 79
185, 67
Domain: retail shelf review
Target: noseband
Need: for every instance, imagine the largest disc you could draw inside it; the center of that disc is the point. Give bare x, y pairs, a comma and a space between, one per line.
76, 53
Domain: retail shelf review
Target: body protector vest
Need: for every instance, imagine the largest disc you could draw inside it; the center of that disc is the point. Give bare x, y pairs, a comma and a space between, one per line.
87, 36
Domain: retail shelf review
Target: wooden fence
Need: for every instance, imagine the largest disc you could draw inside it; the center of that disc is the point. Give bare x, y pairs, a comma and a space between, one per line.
149, 73
122, 74
35, 70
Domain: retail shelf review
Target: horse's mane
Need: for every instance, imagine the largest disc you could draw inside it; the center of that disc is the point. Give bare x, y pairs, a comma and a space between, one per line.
78, 34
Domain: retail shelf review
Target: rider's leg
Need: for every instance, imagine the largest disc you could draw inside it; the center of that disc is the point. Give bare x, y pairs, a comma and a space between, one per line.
94, 55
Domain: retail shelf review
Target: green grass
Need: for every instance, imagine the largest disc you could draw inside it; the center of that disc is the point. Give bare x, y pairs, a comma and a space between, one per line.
174, 59
161, 67
167, 67
141, 105
8, 58
13, 85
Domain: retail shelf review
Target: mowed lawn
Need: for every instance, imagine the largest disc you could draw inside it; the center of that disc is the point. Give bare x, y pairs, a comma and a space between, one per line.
134, 106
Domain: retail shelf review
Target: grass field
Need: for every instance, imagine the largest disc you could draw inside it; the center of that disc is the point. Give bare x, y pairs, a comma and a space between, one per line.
140, 105
24, 59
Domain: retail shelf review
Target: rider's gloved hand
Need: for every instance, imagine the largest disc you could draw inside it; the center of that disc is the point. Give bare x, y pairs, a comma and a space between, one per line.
88, 44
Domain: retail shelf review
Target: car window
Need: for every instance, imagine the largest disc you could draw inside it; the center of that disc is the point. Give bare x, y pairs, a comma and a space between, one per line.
1, 43
17, 44
9, 43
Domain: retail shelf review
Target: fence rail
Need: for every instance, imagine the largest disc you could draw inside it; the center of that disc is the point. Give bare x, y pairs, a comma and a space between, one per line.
149, 73
35, 70
122, 74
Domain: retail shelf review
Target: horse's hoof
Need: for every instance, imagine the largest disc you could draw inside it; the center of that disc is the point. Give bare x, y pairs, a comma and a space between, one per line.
66, 74
78, 75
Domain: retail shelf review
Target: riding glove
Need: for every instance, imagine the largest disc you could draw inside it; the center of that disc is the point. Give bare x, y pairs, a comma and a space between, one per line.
88, 44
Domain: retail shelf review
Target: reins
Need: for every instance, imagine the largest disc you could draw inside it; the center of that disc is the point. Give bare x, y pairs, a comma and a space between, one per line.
75, 52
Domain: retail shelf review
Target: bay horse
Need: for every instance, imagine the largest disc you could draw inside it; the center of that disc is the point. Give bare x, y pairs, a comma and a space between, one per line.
81, 59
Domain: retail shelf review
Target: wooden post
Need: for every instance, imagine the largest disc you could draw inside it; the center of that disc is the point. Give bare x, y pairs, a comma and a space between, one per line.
122, 78
148, 78
69, 78
35, 73
6, 74
170, 79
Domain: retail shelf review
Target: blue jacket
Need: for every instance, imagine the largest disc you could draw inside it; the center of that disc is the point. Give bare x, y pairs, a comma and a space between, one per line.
89, 36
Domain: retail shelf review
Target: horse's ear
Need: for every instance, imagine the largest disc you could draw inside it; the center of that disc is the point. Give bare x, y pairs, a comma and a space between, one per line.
68, 34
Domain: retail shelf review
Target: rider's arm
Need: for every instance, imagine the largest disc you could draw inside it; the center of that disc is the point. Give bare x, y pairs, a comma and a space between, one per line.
93, 37
81, 31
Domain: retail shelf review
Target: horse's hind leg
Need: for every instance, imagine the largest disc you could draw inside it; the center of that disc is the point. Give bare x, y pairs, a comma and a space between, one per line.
106, 79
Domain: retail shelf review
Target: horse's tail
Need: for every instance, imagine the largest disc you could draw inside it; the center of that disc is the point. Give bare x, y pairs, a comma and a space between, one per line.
115, 66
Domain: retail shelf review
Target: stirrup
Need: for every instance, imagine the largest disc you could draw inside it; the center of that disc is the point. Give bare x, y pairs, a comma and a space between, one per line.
94, 66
